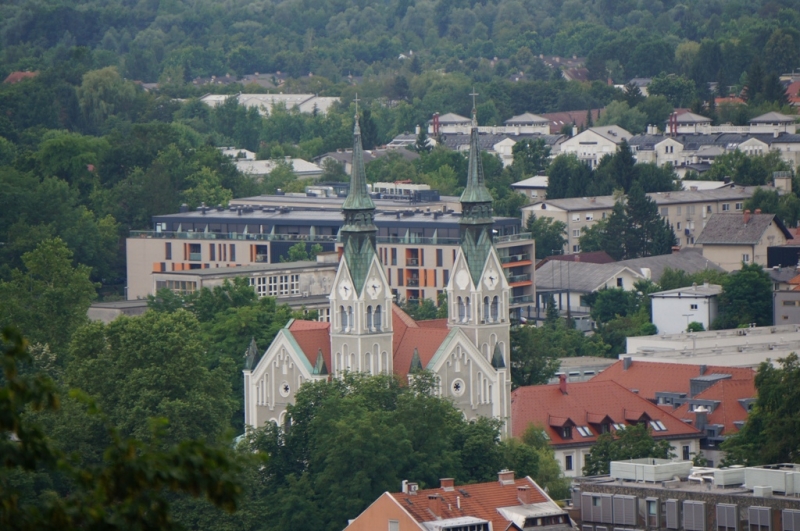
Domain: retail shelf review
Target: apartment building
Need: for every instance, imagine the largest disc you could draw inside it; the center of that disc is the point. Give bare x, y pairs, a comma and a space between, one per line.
687, 210
418, 248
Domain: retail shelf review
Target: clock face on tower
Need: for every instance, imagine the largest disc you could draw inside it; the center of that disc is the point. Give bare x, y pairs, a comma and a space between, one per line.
374, 287
491, 279
345, 289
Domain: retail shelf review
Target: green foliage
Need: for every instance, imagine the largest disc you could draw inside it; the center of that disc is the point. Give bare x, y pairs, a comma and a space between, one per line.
746, 298
422, 310
746, 170
300, 252
694, 326
786, 206
535, 350
679, 91
549, 234
770, 434
130, 488
633, 442
530, 157
622, 114
678, 278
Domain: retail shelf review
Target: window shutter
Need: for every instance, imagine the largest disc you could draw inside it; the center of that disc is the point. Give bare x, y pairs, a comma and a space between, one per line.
694, 517
672, 514
608, 511
625, 510
587, 528
619, 510
726, 516
586, 507
791, 520
759, 516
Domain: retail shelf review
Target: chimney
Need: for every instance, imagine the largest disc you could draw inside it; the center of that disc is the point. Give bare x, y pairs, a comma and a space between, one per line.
411, 488
447, 484
701, 418
703, 369
562, 383
436, 505
746, 217
676, 249
506, 477
574, 130
626, 363
758, 211
524, 495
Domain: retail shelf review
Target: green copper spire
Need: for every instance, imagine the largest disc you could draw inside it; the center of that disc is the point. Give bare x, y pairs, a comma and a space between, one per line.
359, 231
497, 358
476, 208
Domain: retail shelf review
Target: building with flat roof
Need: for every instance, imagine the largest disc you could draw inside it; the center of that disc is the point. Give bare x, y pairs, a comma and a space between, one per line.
674, 309
687, 211
677, 496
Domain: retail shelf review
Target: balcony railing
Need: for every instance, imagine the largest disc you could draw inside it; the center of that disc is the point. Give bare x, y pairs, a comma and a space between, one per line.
411, 300
412, 262
412, 282
195, 257
513, 237
521, 299
515, 258
519, 278
231, 236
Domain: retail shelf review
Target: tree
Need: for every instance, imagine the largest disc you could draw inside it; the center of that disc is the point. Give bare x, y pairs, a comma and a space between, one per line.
530, 157
298, 252
102, 94
746, 298
49, 300
422, 144
130, 489
770, 434
677, 278
568, 177
549, 234
657, 109
678, 90
333, 171
622, 114
632, 442
611, 303
632, 94
746, 170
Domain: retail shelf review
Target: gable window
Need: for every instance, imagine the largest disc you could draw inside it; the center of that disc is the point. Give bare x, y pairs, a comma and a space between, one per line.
726, 207
369, 317
566, 432
377, 318
394, 525
619, 282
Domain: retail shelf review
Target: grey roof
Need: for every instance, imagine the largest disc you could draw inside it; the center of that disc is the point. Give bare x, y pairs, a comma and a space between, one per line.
782, 274
692, 118
486, 141
576, 276
527, 118
452, 118
730, 141
772, 118
723, 229
730, 192
613, 133
701, 291
645, 142
690, 260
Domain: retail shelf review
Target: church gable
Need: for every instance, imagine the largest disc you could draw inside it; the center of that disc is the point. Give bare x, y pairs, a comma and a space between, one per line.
376, 288
343, 288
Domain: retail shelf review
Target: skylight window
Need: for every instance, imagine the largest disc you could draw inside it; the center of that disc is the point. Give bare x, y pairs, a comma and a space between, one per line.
657, 425
585, 431
619, 426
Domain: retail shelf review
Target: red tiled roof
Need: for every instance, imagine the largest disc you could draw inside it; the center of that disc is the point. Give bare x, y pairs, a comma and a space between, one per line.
538, 403
409, 334
733, 100
728, 393
649, 377
313, 336
433, 323
560, 119
16, 77
480, 501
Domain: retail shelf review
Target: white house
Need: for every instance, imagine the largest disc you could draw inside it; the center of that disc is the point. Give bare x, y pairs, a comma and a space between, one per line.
674, 309
594, 143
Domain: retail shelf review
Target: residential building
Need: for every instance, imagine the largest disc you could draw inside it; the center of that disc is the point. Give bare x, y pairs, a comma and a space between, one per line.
731, 239
468, 350
417, 249
714, 399
305, 103
580, 368
500, 143
535, 188
522, 124
108, 311
687, 211
571, 119
663, 494
594, 143
674, 309
574, 415
786, 307
507, 504
737, 347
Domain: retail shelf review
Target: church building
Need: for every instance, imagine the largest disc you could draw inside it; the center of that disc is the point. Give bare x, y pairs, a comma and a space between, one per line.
368, 333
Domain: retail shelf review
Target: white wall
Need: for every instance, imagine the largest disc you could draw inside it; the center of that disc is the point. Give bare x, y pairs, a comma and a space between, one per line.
671, 315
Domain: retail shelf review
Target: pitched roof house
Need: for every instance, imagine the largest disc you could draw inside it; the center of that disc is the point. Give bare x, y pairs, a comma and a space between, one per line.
573, 415
502, 505
732, 239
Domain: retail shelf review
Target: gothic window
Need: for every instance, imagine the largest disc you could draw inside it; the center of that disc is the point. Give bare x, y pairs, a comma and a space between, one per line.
350, 321
385, 363
352, 365
495, 309
377, 318
337, 364
369, 318
462, 310
469, 310
343, 319
368, 363
486, 308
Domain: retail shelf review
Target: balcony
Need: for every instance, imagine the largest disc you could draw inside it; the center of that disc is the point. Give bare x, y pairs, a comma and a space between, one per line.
412, 262
262, 258
411, 300
412, 282
519, 278
195, 257
515, 258
232, 236
513, 237
522, 299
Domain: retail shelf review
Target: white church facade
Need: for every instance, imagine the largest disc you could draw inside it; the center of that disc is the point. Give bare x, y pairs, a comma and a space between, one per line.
468, 351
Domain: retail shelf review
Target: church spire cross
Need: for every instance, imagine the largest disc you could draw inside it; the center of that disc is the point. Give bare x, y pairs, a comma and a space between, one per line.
474, 108
356, 127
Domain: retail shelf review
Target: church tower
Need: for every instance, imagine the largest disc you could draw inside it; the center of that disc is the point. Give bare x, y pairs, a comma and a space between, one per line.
360, 300
478, 292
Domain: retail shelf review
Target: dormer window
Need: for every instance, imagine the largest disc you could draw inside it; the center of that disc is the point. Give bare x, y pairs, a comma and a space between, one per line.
566, 432
605, 427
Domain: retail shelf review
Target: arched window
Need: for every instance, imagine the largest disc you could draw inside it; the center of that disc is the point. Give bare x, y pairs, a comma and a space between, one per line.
377, 319
486, 309
343, 319
352, 365
385, 363
469, 310
369, 318
368, 363
350, 321
337, 364
462, 310
495, 309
